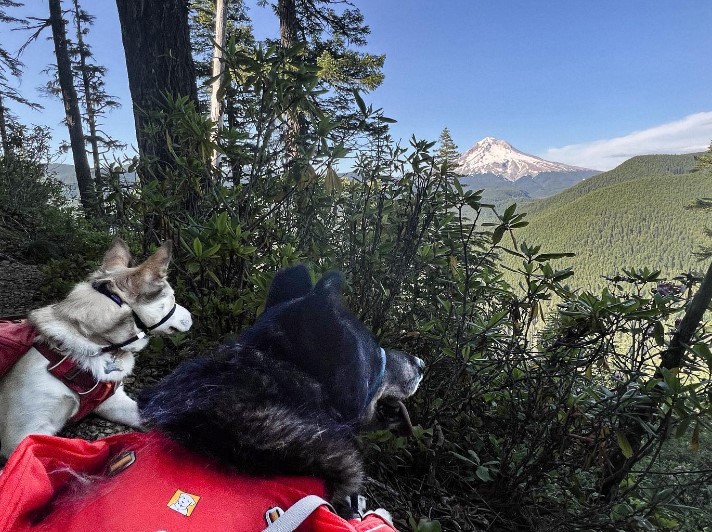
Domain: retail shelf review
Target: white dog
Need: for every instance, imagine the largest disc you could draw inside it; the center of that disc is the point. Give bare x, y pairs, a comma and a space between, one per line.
85, 346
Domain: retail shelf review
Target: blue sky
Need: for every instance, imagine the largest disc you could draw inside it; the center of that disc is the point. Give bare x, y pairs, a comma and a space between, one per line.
589, 83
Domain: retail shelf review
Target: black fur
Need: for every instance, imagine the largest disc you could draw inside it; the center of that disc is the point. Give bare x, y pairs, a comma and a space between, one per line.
287, 397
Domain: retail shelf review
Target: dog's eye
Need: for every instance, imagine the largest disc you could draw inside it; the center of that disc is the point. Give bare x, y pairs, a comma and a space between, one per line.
152, 294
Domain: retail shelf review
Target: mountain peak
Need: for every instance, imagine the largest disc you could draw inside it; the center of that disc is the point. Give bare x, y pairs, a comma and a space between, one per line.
492, 140
495, 156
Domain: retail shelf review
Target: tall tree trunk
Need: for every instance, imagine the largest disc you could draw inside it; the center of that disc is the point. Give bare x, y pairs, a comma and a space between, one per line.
288, 24
91, 114
158, 60
216, 107
288, 29
3, 130
73, 115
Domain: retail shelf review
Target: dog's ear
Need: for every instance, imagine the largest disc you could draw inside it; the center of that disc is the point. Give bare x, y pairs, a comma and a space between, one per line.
155, 267
330, 285
118, 256
289, 283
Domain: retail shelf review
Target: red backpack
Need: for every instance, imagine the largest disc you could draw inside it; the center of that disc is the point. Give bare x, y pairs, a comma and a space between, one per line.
16, 339
145, 482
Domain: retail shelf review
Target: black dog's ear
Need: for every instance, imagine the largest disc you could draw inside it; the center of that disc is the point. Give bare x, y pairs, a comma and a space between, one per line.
289, 283
330, 285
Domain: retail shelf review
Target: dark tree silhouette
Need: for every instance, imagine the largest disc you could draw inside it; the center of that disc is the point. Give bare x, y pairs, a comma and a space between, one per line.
73, 116
159, 62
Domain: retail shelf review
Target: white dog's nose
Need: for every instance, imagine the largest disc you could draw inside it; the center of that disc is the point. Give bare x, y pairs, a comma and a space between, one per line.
183, 318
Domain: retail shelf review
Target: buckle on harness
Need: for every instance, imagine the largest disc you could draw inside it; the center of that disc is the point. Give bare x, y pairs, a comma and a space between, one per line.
120, 463
53, 366
70, 375
89, 390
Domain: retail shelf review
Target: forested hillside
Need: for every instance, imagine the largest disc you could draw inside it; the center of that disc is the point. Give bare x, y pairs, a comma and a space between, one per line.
639, 166
621, 220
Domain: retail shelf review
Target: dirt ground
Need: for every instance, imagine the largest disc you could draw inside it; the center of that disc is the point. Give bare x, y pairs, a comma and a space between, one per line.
19, 286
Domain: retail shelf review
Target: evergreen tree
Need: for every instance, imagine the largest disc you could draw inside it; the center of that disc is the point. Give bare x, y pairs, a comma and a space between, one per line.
73, 119
202, 33
10, 67
156, 39
447, 150
330, 38
234, 99
158, 58
704, 161
94, 101
93, 95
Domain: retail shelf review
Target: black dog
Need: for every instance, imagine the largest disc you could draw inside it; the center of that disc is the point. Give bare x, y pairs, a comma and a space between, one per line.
290, 394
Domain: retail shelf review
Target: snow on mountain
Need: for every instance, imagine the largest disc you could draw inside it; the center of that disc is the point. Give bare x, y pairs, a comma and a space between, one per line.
498, 157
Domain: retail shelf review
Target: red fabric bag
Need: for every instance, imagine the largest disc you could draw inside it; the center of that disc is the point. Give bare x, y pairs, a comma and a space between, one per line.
16, 339
146, 482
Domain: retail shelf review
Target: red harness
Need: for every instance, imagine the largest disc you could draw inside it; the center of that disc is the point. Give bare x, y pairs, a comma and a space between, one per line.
147, 483
18, 337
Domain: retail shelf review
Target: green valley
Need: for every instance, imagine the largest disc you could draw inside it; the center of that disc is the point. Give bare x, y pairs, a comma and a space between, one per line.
630, 217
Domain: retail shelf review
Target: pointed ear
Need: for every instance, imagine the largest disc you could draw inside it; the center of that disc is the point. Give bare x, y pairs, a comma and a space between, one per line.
330, 285
118, 256
289, 283
156, 266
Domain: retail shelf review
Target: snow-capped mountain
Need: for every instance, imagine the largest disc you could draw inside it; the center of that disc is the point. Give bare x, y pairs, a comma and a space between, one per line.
498, 157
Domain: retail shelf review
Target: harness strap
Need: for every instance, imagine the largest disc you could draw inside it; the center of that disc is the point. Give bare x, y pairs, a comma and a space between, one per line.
103, 288
145, 328
91, 391
297, 514
115, 347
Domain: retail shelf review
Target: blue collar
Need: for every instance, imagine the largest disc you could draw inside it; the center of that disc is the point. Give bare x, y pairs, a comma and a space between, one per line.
378, 382
103, 288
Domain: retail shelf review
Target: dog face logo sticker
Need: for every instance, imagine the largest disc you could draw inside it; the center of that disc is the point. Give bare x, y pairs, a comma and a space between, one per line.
183, 503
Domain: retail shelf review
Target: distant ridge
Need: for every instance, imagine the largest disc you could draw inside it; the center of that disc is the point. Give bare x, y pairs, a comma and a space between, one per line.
633, 168
67, 175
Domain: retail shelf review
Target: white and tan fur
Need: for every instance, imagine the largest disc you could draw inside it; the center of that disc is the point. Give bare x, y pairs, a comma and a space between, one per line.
32, 401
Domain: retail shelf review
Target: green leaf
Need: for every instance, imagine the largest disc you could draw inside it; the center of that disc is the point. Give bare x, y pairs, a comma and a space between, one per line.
496, 318
509, 211
359, 101
659, 333
333, 183
453, 265
498, 234
212, 250
701, 350
695, 441
309, 175
197, 247
552, 256
624, 444
426, 525
483, 474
